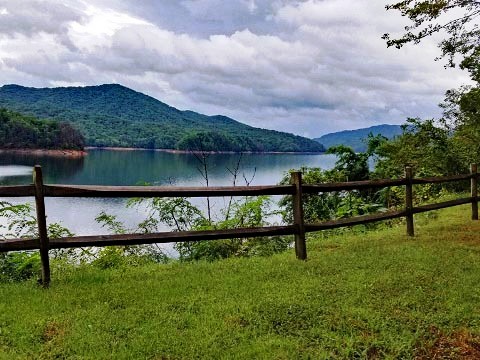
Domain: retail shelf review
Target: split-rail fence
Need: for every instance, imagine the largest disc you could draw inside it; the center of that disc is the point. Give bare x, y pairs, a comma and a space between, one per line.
296, 189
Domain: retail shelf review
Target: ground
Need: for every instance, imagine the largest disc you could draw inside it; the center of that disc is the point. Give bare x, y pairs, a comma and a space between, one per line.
363, 293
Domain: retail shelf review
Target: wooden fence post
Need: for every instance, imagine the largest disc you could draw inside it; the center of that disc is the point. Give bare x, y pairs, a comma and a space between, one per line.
298, 220
474, 191
42, 224
409, 200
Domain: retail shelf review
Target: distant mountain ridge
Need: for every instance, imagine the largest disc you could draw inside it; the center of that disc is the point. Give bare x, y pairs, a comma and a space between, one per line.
115, 116
355, 138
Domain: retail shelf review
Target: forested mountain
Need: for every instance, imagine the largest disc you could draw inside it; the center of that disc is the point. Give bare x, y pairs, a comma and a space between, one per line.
355, 138
23, 132
113, 115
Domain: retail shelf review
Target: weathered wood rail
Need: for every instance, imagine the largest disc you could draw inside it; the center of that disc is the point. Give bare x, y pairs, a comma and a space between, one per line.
39, 190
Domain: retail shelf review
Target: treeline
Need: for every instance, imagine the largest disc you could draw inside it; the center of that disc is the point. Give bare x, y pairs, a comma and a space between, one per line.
222, 141
22, 132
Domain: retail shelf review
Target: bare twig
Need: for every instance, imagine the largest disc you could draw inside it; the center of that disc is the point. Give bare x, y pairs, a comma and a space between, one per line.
234, 173
248, 182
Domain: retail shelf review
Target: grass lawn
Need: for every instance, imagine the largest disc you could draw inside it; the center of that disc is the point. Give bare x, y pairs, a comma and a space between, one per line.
375, 294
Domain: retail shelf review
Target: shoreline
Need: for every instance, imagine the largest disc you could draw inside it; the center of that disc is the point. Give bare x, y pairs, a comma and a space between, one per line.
175, 151
47, 152
83, 153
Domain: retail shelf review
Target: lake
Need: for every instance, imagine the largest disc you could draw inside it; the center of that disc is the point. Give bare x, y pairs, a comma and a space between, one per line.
109, 167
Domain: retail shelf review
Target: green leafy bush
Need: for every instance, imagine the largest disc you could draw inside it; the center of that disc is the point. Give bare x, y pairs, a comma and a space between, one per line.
18, 266
179, 214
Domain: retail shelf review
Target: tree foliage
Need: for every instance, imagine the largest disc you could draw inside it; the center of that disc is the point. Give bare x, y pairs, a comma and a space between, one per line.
179, 214
23, 132
427, 147
457, 18
449, 145
18, 221
350, 166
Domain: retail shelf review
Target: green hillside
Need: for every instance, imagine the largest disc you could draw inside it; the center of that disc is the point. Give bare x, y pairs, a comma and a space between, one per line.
113, 115
355, 138
25, 132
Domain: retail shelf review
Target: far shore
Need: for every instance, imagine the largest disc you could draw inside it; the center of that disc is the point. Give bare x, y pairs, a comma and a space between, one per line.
82, 153
46, 152
174, 151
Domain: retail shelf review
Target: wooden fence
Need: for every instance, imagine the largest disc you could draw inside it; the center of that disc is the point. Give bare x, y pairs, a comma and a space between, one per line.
299, 228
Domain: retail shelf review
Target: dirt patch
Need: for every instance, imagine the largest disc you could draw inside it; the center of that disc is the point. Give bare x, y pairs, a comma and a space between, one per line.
53, 331
460, 345
236, 321
330, 247
46, 152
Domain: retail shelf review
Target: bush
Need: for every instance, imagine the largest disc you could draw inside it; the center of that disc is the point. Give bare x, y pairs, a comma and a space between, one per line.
118, 256
19, 266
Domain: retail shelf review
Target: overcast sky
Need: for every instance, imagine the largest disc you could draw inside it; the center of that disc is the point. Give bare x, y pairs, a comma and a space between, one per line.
307, 67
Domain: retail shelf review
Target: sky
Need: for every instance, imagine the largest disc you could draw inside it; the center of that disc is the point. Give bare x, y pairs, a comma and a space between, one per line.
308, 67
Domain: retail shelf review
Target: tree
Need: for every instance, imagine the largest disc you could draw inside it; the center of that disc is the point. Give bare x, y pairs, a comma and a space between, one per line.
20, 131
462, 118
350, 166
457, 19
428, 148
353, 166
435, 16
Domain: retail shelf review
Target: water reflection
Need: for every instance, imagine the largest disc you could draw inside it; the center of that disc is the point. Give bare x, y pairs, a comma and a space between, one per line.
103, 167
15, 171
53, 167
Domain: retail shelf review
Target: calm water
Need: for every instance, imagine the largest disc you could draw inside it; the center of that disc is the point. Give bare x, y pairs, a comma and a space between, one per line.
104, 167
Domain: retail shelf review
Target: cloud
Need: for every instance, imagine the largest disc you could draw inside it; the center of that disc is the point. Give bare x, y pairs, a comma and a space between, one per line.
30, 17
307, 67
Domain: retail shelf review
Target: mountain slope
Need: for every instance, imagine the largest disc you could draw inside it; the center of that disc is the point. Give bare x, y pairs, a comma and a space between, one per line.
113, 115
355, 138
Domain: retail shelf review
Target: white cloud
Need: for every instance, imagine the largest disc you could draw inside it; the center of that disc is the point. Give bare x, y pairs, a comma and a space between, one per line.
309, 68
251, 5
30, 17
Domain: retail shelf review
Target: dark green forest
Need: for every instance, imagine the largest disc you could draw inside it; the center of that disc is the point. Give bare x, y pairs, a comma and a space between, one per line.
116, 116
25, 132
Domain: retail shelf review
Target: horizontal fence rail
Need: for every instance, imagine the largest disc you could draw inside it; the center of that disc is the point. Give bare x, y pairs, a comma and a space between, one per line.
352, 185
356, 220
442, 205
150, 238
299, 228
163, 191
17, 191
443, 179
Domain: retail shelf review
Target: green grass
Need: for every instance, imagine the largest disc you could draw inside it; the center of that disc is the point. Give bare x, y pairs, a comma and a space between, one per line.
375, 294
